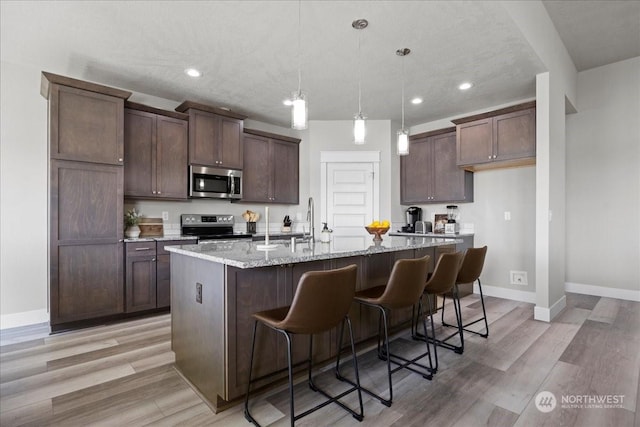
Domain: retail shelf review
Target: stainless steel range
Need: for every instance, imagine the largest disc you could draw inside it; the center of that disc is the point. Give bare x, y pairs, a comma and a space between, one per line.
210, 227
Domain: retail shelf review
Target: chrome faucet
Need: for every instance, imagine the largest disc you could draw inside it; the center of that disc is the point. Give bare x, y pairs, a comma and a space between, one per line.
311, 219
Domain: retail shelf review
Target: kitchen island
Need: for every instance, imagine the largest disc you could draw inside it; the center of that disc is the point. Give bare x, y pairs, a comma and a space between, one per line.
216, 286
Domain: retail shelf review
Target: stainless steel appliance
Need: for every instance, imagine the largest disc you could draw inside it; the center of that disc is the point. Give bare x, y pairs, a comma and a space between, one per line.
210, 227
422, 227
414, 214
451, 226
215, 183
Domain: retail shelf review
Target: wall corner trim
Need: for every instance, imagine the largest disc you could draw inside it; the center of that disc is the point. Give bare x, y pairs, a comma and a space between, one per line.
548, 314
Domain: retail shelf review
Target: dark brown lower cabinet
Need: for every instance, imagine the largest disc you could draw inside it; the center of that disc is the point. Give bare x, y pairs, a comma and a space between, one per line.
140, 282
148, 274
86, 282
163, 270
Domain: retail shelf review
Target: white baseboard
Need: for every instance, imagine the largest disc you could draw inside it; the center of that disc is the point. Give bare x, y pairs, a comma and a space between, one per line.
505, 293
548, 314
602, 291
24, 318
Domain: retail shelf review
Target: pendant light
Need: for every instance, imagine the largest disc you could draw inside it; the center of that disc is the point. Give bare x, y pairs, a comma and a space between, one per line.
403, 134
359, 128
298, 98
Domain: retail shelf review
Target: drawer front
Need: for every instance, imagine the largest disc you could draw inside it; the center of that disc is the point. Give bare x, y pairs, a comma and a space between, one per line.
141, 248
164, 243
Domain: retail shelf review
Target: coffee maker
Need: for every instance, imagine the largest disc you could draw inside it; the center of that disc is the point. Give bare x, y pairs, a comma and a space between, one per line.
414, 214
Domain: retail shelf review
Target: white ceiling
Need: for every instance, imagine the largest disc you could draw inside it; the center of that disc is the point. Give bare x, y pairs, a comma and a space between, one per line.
248, 51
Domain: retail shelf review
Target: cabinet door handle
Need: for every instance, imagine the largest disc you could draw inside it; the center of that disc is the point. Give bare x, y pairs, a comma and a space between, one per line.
490, 157
159, 192
153, 260
143, 249
153, 192
120, 159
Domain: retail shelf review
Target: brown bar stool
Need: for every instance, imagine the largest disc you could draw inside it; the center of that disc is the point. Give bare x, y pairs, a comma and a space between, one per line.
404, 289
442, 280
470, 270
321, 302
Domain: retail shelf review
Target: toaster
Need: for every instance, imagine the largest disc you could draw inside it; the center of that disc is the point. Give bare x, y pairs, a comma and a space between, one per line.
422, 227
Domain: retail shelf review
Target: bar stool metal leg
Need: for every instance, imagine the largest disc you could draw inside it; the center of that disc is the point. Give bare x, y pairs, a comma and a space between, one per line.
247, 414
483, 318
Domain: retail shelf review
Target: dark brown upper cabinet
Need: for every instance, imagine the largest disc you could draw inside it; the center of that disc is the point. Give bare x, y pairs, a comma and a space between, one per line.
89, 120
271, 168
501, 138
215, 136
156, 145
429, 174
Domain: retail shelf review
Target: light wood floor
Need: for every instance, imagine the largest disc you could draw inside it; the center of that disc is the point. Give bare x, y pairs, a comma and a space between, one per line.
122, 375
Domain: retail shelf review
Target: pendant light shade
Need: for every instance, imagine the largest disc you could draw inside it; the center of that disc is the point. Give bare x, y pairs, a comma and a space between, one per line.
359, 122
403, 142
359, 129
299, 114
403, 134
298, 111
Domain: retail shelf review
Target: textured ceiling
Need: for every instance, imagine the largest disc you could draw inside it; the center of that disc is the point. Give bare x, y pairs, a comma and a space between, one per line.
248, 52
597, 33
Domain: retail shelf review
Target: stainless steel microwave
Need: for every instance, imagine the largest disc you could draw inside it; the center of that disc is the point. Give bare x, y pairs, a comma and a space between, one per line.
215, 183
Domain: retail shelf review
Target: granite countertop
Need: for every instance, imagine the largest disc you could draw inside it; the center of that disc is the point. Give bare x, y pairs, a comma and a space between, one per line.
159, 238
444, 235
244, 253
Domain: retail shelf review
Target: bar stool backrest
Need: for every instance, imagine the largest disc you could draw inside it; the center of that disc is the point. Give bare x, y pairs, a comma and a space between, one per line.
445, 274
472, 264
406, 283
322, 300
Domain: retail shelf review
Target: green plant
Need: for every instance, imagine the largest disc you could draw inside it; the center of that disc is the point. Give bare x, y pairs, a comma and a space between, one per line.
132, 217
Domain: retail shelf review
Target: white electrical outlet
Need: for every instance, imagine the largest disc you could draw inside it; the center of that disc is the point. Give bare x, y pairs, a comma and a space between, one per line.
507, 215
165, 216
518, 277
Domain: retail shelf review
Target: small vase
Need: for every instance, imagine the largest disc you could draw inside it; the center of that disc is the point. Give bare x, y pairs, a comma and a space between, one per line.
132, 232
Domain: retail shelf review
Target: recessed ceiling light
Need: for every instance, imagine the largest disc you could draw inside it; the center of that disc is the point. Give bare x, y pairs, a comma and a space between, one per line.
416, 101
287, 102
192, 72
465, 86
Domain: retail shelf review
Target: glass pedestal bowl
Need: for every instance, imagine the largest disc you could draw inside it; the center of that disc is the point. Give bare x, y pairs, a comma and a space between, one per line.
377, 232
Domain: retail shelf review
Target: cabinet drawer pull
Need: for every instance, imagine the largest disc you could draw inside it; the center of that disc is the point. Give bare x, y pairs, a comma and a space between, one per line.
143, 249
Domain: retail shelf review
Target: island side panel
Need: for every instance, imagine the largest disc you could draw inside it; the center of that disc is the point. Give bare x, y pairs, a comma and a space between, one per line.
197, 329
249, 291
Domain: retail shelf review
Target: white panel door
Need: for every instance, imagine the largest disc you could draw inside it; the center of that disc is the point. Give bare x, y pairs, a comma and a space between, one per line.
349, 202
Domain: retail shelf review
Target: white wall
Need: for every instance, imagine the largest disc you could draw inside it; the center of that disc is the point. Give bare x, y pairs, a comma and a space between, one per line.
603, 179
553, 89
23, 197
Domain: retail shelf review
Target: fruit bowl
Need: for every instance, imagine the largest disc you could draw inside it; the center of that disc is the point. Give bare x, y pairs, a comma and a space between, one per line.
377, 232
